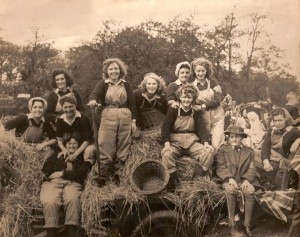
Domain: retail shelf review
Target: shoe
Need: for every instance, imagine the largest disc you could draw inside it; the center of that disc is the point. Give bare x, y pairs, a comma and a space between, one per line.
72, 230
99, 181
247, 231
52, 232
198, 172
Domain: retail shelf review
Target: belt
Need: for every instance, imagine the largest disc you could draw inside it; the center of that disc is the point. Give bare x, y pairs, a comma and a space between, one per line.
116, 106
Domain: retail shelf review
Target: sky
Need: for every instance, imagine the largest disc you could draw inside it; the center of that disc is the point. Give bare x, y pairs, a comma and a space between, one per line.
69, 22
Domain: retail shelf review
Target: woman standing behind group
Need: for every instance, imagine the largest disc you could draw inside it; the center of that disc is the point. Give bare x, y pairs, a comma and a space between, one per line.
61, 83
118, 118
183, 72
209, 99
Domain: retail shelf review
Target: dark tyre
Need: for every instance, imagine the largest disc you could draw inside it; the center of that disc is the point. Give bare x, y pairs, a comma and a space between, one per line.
160, 224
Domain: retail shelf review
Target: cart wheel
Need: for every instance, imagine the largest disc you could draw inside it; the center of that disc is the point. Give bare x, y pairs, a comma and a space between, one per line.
160, 223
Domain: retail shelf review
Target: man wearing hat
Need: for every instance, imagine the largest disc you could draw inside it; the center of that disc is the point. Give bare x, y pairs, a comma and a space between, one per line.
236, 169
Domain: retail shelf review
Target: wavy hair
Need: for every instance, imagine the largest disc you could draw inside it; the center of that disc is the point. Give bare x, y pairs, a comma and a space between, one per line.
206, 64
161, 84
56, 72
68, 136
119, 62
188, 88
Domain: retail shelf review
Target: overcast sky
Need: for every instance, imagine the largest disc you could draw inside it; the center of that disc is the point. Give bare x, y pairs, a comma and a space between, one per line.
69, 21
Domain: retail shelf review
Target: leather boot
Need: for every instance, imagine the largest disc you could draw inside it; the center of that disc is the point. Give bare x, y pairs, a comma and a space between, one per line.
173, 182
52, 232
249, 205
198, 172
72, 230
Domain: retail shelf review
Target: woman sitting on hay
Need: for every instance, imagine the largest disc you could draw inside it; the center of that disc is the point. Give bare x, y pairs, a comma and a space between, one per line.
150, 97
32, 128
182, 132
236, 169
279, 144
63, 181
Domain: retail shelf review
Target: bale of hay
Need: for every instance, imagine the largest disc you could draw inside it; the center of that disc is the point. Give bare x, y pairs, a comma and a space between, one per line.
20, 192
195, 200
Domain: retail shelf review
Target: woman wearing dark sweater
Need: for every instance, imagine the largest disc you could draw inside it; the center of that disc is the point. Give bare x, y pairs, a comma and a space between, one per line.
183, 133
62, 185
118, 118
61, 83
150, 96
280, 142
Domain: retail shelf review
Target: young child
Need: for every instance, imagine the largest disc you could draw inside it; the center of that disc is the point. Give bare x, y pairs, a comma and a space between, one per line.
183, 133
63, 181
236, 169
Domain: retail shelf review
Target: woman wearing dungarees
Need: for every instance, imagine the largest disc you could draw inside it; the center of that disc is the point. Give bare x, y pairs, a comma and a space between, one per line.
61, 82
118, 118
209, 99
32, 128
183, 72
279, 143
184, 133
150, 96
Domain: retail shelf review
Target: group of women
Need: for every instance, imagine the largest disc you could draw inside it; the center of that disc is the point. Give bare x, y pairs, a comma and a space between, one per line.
193, 126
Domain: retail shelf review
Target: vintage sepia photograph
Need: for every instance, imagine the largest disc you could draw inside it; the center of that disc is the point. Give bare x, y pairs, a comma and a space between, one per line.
149, 118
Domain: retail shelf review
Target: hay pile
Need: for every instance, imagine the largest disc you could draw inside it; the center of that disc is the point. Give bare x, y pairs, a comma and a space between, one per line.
21, 181
195, 201
94, 200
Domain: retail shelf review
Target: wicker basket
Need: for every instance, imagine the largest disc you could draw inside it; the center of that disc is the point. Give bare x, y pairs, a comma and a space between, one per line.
149, 177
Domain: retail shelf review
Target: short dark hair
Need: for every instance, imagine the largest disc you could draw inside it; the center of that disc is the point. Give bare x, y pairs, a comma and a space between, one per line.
69, 80
68, 136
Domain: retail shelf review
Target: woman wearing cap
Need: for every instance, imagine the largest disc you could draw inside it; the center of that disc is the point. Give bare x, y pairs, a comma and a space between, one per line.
236, 169
279, 143
183, 133
183, 72
32, 127
150, 95
61, 82
118, 118
209, 99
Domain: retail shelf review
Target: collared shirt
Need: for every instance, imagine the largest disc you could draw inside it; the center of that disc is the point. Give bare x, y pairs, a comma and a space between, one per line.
178, 82
30, 116
196, 82
180, 106
118, 82
155, 97
68, 90
64, 117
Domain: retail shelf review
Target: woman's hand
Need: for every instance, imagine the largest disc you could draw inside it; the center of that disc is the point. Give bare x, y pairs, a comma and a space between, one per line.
208, 147
175, 105
92, 103
71, 157
232, 183
63, 154
133, 126
40, 146
56, 174
295, 146
267, 166
246, 185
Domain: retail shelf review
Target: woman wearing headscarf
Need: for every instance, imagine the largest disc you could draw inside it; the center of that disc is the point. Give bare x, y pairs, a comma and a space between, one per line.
209, 99
118, 118
32, 127
183, 72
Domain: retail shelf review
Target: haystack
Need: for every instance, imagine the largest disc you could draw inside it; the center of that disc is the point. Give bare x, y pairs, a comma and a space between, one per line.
21, 181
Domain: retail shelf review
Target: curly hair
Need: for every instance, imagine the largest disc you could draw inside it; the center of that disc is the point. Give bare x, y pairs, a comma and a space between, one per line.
284, 113
206, 64
161, 84
56, 72
68, 136
119, 62
188, 88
